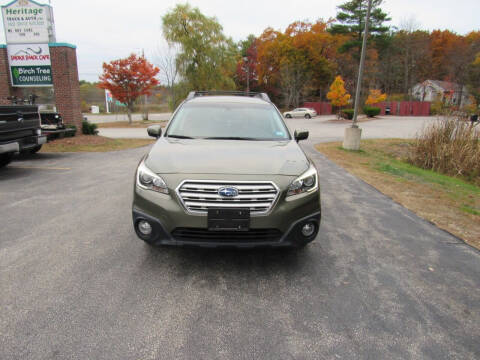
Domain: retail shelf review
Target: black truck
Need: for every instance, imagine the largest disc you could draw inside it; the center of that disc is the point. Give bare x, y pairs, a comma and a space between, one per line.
20, 131
53, 126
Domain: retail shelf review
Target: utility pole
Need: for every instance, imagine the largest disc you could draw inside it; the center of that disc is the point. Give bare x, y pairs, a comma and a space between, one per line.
245, 59
354, 133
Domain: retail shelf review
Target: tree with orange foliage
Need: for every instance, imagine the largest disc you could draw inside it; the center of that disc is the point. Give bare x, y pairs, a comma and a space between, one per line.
375, 97
298, 61
129, 78
338, 95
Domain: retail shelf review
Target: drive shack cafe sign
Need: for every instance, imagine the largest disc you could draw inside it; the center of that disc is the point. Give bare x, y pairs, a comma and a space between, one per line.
30, 64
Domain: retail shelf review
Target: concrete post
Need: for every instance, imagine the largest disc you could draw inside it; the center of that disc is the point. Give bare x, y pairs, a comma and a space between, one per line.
351, 140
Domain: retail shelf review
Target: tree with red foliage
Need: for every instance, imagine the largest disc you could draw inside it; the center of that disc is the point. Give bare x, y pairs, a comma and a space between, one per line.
129, 78
246, 73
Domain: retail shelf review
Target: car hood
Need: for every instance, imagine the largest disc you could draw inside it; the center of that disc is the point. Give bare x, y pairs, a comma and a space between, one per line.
198, 156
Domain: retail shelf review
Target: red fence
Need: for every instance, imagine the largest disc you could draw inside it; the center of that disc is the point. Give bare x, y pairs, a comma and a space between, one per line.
402, 108
322, 108
405, 108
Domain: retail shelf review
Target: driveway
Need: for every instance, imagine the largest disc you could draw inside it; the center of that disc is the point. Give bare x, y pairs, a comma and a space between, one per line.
124, 133
322, 128
76, 283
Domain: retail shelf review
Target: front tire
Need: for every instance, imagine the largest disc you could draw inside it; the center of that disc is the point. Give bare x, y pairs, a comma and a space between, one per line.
288, 116
5, 159
308, 116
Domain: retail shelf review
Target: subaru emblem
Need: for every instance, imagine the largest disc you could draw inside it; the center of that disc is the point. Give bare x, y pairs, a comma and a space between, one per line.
228, 192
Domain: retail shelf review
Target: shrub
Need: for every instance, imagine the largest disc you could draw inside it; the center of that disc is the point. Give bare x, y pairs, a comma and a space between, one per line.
72, 133
89, 128
438, 107
448, 146
347, 114
84, 106
371, 111
397, 97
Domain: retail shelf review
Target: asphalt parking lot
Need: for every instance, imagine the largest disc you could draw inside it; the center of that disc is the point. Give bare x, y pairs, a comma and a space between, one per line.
76, 283
321, 127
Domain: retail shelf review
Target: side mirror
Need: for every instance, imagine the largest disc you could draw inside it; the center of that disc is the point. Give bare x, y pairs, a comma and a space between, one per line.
154, 131
300, 135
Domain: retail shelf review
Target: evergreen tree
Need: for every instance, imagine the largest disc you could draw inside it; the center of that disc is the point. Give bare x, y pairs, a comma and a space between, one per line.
352, 16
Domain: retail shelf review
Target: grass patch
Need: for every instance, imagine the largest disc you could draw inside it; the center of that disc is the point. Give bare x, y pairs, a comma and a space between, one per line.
470, 210
408, 171
452, 203
134, 124
93, 143
360, 152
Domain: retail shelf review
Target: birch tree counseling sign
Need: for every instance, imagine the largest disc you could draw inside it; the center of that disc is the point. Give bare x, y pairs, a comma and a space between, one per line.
30, 65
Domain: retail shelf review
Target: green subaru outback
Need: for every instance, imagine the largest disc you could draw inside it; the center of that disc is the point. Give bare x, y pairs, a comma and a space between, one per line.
226, 172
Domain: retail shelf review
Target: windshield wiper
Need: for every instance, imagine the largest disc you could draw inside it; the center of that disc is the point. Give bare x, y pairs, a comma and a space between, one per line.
179, 136
229, 138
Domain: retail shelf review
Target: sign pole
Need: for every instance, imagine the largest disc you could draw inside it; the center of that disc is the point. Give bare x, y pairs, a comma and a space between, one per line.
106, 102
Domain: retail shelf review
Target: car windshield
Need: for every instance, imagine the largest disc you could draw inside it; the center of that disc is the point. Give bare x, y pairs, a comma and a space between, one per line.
229, 121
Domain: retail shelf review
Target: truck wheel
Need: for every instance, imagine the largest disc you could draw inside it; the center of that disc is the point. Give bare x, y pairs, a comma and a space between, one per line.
35, 149
5, 159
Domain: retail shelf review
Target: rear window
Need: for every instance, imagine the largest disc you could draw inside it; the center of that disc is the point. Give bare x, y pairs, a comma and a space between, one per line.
228, 120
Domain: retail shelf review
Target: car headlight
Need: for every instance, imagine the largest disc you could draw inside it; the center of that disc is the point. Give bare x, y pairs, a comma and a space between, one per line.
305, 183
147, 179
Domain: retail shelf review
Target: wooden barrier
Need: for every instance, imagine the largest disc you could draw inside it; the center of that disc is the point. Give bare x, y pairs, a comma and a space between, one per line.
322, 108
401, 108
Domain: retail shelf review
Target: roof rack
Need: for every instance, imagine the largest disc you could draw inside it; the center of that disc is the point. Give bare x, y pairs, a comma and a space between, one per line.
194, 94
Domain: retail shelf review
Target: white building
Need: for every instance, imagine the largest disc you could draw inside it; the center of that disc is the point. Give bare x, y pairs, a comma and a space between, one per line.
434, 90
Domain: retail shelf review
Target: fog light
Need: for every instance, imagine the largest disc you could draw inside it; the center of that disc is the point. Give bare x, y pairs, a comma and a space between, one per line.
308, 229
144, 227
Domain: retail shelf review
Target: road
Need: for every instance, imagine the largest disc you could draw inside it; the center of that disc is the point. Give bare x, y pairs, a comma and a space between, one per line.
76, 283
321, 129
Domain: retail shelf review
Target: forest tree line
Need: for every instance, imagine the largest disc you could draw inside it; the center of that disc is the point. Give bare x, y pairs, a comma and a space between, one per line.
300, 63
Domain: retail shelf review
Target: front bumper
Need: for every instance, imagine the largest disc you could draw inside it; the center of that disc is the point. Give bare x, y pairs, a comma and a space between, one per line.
22, 144
280, 228
9, 147
57, 133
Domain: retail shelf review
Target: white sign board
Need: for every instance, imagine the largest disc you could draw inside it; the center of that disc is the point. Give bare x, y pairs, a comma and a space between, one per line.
30, 64
28, 22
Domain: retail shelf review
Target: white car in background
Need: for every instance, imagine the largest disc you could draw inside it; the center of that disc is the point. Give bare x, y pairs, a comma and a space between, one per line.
306, 113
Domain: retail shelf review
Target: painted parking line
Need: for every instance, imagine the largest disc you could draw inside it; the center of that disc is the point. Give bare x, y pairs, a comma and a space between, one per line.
39, 167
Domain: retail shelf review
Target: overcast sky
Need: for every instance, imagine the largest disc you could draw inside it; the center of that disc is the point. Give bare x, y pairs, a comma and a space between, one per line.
108, 29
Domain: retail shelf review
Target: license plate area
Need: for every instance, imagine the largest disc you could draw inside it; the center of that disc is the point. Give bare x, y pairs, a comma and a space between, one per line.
237, 219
